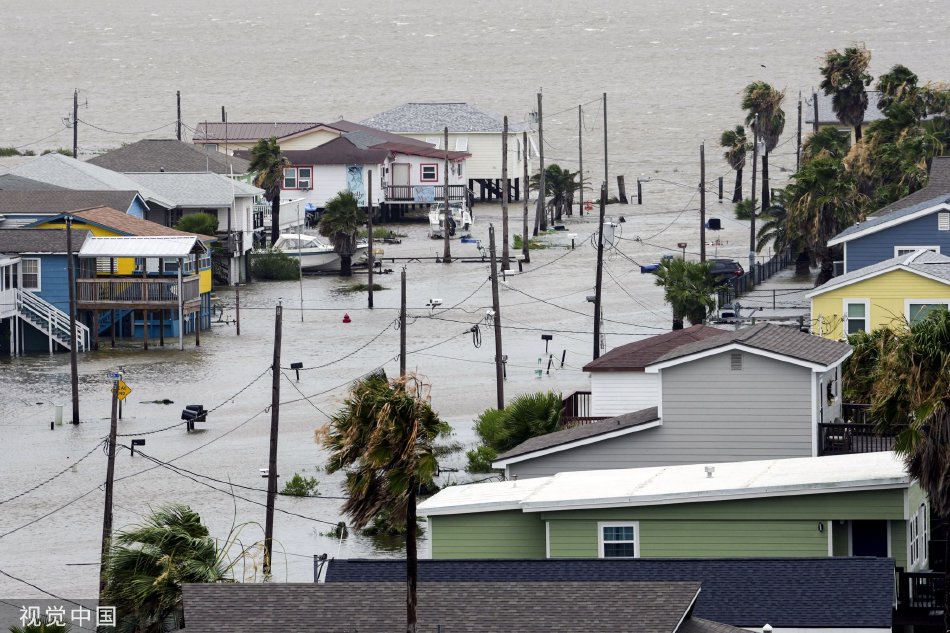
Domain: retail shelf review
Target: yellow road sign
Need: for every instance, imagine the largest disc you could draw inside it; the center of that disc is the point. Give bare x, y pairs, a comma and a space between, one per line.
123, 390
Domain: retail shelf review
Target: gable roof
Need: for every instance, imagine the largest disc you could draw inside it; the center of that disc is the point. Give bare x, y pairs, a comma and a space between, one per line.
11, 182
168, 155
579, 435
747, 592
485, 607
637, 355
366, 136
196, 189
214, 132
927, 263
768, 339
433, 117
59, 200
37, 241
339, 151
827, 116
922, 202
659, 485
119, 222
429, 152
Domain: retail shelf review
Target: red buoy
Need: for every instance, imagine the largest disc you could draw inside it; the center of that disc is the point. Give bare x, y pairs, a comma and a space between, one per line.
346, 318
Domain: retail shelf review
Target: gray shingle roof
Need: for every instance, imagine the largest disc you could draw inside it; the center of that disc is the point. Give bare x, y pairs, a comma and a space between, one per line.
9, 182
362, 135
936, 192
432, 118
826, 113
927, 262
777, 339
168, 155
637, 355
582, 432
30, 241
339, 151
458, 607
195, 189
59, 200
785, 592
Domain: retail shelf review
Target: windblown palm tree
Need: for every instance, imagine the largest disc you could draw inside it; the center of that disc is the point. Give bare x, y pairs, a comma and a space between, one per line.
765, 115
845, 77
268, 163
688, 288
775, 231
828, 142
45, 626
737, 146
340, 224
560, 185
383, 438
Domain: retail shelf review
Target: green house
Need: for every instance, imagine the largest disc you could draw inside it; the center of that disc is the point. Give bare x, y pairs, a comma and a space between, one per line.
847, 505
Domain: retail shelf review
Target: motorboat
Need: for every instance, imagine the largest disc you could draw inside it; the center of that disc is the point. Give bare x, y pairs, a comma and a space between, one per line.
315, 254
460, 219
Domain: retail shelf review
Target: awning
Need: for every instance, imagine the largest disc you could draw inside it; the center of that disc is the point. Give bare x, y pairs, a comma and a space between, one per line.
152, 246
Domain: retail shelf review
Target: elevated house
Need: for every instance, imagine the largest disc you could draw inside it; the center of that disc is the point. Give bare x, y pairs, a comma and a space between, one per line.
761, 392
898, 290
918, 221
22, 207
471, 130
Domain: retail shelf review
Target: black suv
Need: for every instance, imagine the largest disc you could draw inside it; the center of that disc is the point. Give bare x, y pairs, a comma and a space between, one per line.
723, 270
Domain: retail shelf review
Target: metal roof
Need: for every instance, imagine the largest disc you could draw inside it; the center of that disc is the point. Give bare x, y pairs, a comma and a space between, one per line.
214, 132
133, 246
169, 155
926, 262
426, 118
196, 189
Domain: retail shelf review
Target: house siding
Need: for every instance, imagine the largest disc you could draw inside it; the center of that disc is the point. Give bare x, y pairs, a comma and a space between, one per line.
508, 534
885, 293
485, 150
877, 247
618, 392
54, 279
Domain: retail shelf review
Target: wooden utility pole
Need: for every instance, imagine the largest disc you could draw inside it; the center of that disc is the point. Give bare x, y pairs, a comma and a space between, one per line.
600, 269
73, 341
525, 250
540, 220
702, 203
814, 103
76, 123
755, 160
110, 477
580, 158
369, 231
505, 264
272, 458
178, 120
798, 136
606, 177
237, 308
496, 319
402, 324
447, 249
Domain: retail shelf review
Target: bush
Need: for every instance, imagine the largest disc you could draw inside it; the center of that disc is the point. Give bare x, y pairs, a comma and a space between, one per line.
299, 486
526, 416
533, 244
274, 264
379, 233
480, 459
200, 223
9, 151
58, 150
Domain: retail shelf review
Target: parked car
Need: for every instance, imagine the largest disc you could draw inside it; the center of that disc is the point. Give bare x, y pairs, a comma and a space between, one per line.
723, 270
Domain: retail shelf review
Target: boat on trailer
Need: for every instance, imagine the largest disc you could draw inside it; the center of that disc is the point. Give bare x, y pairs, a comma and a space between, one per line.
314, 253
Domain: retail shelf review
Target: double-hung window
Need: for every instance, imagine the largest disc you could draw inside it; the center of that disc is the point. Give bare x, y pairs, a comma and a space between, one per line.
918, 309
856, 316
31, 273
619, 539
298, 178
429, 173
918, 535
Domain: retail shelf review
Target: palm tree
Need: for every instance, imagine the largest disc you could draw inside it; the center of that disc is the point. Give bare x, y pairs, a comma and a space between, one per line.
560, 185
148, 564
340, 224
775, 231
383, 438
845, 76
688, 288
525, 416
827, 141
899, 86
765, 115
737, 146
268, 164
43, 627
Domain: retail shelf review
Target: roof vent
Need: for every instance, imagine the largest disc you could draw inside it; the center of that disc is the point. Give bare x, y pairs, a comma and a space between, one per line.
709, 471
943, 221
736, 361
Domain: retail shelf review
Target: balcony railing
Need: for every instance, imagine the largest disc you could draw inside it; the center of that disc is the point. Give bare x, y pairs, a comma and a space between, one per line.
919, 596
132, 292
576, 410
423, 194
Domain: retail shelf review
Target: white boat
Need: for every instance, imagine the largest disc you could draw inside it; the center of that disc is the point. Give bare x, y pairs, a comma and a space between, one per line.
460, 221
315, 254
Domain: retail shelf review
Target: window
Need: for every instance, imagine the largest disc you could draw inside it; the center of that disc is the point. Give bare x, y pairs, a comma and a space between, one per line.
619, 540
461, 144
918, 309
429, 173
856, 316
31, 273
435, 140
943, 221
735, 361
298, 178
900, 251
918, 535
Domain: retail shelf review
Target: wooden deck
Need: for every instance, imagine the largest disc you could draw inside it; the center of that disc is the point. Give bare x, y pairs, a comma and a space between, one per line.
150, 293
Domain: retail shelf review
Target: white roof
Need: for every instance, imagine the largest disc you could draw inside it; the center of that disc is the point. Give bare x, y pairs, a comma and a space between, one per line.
134, 246
675, 484
193, 189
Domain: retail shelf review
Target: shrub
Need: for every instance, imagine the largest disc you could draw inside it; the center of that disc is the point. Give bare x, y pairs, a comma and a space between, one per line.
299, 486
526, 416
533, 244
274, 264
200, 223
480, 459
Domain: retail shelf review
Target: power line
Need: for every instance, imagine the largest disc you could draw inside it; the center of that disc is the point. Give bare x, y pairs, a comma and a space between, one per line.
46, 481
102, 129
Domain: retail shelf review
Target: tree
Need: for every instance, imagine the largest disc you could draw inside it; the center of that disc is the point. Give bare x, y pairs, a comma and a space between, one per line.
340, 224
737, 146
268, 164
560, 185
765, 115
774, 230
688, 288
44, 626
525, 416
200, 223
148, 564
845, 76
826, 142
383, 439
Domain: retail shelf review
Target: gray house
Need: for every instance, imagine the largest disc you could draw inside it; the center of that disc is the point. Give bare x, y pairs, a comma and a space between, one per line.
758, 393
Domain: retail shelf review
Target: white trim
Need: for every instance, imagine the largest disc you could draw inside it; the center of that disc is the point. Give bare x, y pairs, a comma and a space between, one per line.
814, 420
636, 537
829, 527
832, 285
547, 539
688, 611
845, 259
504, 463
914, 249
908, 302
850, 539
659, 386
816, 367
845, 331
940, 206
39, 274
889, 553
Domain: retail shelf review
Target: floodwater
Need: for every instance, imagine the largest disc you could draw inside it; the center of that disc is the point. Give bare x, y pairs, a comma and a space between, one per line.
673, 79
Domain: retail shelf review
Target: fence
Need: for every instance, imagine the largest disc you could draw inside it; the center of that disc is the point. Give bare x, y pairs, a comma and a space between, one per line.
738, 286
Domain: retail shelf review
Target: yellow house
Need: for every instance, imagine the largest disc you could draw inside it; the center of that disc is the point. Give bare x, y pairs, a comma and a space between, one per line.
887, 294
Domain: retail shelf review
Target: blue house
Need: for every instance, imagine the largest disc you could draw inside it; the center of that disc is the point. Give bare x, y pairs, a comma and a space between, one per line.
918, 221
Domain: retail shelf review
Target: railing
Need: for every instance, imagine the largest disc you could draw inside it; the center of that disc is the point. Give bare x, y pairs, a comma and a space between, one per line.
415, 193
259, 211
576, 410
129, 291
738, 286
849, 439
45, 314
919, 593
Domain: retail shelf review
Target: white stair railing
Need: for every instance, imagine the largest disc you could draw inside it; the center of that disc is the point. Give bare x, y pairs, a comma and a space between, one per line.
50, 320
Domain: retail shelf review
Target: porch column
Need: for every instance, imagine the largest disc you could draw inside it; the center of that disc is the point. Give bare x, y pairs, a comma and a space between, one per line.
95, 329
181, 316
112, 327
161, 331
145, 327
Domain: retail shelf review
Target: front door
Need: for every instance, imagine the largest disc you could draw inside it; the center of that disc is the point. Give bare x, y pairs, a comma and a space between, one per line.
401, 174
869, 538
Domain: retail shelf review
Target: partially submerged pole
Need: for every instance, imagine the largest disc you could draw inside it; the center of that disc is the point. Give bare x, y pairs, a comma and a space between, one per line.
447, 249
496, 319
504, 196
73, 341
600, 269
272, 455
369, 231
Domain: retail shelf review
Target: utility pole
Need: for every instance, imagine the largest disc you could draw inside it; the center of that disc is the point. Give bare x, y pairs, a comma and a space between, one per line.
447, 249
702, 203
402, 324
73, 342
110, 476
798, 137
76, 123
496, 319
580, 157
272, 458
237, 307
178, 120
606, 177
539, 218
600, 269
369, 230
525, 251
505, 264
814, 103
755, 160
